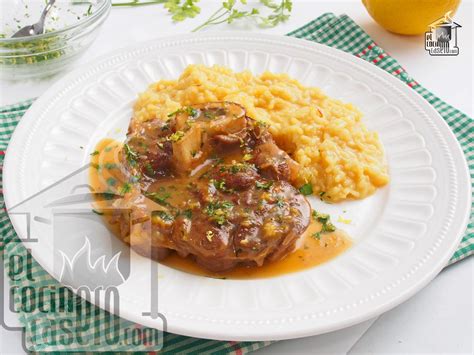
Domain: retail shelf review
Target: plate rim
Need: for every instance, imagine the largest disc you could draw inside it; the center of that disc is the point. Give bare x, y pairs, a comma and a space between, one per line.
22, 130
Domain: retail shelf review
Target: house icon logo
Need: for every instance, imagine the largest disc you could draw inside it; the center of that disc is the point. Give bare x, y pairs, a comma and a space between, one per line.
83, 252
442, 38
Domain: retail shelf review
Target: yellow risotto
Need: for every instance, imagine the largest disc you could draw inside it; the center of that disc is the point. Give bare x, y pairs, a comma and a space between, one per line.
338, 155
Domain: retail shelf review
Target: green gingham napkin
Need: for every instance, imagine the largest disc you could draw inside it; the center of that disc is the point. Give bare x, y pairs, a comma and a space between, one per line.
335, 31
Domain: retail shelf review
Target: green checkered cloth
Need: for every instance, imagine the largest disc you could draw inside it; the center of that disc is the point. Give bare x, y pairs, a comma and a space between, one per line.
96, 325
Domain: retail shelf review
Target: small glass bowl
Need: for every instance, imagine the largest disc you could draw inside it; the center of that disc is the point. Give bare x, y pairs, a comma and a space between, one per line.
71, 27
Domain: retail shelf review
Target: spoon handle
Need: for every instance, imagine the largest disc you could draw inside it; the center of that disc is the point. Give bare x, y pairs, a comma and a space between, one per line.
46, 10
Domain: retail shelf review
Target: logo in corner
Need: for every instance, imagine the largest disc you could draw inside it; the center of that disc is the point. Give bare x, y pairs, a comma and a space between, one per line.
442, 39
80, 270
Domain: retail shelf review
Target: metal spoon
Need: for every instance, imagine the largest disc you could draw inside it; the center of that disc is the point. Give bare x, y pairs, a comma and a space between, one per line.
38, 27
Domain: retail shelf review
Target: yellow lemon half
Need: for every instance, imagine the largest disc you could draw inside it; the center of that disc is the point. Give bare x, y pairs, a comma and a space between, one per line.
409, 17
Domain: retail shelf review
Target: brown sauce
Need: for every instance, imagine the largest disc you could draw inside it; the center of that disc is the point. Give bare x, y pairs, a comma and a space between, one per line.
309, 251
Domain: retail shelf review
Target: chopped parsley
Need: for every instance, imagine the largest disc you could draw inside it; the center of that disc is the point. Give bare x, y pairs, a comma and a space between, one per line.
110, 166
188, 214
325, 220
220, 185
95, 152
165, 216
97, 166
131, 155
191, 111
127, 187
159, 197
209, 114
316, 235
328, 227
149, 169
176, 136
306, 189
111, 181
135, 178
321, 217
280, 202
263, 185
219, 211
236, 167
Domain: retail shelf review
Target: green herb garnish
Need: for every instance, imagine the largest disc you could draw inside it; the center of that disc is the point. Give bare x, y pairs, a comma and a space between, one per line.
176, 136
325, 220
149, 169
159, 197
111, 181
95, 152
165, 216
110, 166
229, 13
306, 189
219, 211
188, 214
131, 155
96, 166
263, 185
127, 187
280, 202
181, 11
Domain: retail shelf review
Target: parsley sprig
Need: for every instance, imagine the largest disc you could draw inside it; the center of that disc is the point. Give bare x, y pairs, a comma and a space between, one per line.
180, 12
227, 13
281, 12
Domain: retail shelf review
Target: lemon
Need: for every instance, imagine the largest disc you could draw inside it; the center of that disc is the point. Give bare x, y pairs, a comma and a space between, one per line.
409, 17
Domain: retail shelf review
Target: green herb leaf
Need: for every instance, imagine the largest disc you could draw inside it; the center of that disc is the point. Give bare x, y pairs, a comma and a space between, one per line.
219, 211
165, 216
127, 187
159, 197
188, 214
110, 166
263, 185
95, 152
182, 9
111, 181
281, 12
316, 235
325, 220
306, 189
131, 155
176, 136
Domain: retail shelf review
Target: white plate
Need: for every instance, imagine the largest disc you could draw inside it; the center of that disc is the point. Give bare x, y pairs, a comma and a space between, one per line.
404, 234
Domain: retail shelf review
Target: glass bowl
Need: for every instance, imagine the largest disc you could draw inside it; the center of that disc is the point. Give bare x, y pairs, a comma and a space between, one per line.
70, 27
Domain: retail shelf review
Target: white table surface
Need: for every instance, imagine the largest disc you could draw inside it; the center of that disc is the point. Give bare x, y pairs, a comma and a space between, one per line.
440, 318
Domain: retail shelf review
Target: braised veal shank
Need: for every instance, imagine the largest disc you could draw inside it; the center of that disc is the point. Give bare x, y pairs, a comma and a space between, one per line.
220, 186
